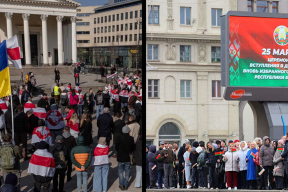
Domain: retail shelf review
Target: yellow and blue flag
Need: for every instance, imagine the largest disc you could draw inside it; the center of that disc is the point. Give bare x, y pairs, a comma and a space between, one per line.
5, 86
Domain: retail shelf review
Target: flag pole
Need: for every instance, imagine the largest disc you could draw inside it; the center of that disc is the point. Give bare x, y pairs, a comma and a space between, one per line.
12, 114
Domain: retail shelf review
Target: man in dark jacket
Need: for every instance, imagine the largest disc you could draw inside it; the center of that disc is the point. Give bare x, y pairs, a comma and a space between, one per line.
77, 74
117, 129
138, 109
24, 96
167, 156
99, 101
193, 159
10, 183
69, 142
105, 124
32, 121
124, 147
266, 160
43, 103
182, 163
160, 165
88, 100
20, 129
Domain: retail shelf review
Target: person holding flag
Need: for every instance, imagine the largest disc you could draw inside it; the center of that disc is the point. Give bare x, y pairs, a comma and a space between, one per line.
278, 171
160, 166
187, 161
251, 165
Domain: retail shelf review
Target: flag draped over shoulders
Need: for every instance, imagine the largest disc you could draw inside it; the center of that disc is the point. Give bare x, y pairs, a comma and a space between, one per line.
42, 163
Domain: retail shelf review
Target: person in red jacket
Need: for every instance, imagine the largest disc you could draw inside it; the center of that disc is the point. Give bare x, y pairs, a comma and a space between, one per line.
74, 99
69, 111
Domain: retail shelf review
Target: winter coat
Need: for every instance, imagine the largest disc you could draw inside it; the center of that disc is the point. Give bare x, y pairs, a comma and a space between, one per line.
200, 160
69, 142
231, 161
147, 162
284, 154
74, 99
153, 174
20, 123
105, 124
277, 160
242, 157
210, 156
124, 146
55, 149
266, 153
106, 99
32, 123
251, 165
138, 108
8, 118
86, 132
186, 157
181, 153
134, 129
42, 103
193, 157
160, 163
64, 99
117, 129
8, 188
138, 152
98, 100
57, 74
170, 157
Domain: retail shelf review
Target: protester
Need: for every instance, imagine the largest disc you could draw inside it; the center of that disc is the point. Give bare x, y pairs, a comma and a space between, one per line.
134, 127
86, 129
76, 74
41, 133
153, 169
106, 97
89, 100
21, 129
81, 102
8, 119
10, 183
105, 124
176, 165
57, 75
160, 165
113, 69
138, 109
73, 124
43, 103
200, 166
24, 96
57, 92
131, 103
53, 85
63, 100
62, 88
278, 171
99, 102
74, 99
138, 162
2, 125
29, 105
147, 168
32, 121
117, 130
167, 157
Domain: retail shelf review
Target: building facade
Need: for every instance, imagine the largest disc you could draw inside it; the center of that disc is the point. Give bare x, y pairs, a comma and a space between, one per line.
46, 30
115, 34
184, 93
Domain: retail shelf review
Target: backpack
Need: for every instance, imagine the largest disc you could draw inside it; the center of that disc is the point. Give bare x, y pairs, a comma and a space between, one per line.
60, 159
63, 101
100, 98
7, 157
26, 96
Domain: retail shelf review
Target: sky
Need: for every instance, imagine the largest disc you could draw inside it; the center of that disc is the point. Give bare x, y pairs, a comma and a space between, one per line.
92, 2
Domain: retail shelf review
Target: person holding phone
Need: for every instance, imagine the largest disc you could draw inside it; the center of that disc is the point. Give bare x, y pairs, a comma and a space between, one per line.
167, 157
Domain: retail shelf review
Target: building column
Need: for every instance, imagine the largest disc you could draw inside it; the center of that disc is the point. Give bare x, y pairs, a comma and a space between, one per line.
59, 19
25, 17
74, 40
44, 39
9, 24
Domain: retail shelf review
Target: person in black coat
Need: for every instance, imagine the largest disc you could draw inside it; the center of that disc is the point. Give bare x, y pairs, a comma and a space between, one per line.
77, 74
153, 174
15, 99
117, 129
105, 124
113, 69
182, 163
32, 121
57, 74
123, 99
20, 129
43, 103
147, 168
86, 129
8, 119
160, 166
138, 109
106, 98
102, 70
138, 161
193, 159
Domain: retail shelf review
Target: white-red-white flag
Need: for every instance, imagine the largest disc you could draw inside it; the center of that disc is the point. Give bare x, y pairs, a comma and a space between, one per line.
41, 134
29, 106
111, 76
74, 128
13, 52
124, 93
54, 120
100, 155
40, 113
3, 106
42, 163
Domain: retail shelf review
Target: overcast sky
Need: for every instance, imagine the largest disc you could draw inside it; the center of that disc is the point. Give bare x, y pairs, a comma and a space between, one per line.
92, 2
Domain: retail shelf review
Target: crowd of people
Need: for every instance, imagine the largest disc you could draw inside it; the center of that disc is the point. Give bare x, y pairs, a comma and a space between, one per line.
259, 164
61, 133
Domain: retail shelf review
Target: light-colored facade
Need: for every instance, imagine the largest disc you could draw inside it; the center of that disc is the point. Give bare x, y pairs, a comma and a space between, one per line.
106, 24
46, 30
184, 97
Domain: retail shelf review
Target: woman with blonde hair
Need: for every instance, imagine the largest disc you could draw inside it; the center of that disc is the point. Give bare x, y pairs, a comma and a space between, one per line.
86, 129
73, 123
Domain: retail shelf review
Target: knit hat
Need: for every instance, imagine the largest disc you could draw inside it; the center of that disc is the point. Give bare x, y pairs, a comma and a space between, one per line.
11, 179
162, 143
230, 141
187, 141
125, 129
202, 143
59, 138
236, 141
195, 144
198, 149
281, 141
102, 141
53, 107
42, 145
218, 142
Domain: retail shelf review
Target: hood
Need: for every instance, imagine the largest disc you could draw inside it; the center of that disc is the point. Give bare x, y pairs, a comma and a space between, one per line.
193, 150
59, 146
80, 140
152, 148
66, 134
245, 147
147, 146
264, 142
53, 107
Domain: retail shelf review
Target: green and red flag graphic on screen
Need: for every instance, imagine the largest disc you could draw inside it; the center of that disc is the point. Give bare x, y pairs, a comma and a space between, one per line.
258, 51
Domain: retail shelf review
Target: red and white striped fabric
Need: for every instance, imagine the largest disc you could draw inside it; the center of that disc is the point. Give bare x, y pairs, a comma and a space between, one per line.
81, 99
41, 134
124, 93
40, 113
115, 94
74, 129
129, 82
13, 52
54, 120
29, 106
42, 163
111, 76
120, 80
3, 106
100, 155
77, 88
136, 77
68, 87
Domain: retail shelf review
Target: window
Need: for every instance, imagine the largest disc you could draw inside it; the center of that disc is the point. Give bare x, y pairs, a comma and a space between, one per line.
94, 20
262, 6
121, 38
152, 52
113, 28
117, 38
98, 20
126, 15
126, 27
216, 89
140, 13
83, 23
116, 1
250, 5
140, 37
101, 39
131, 14
83, 41
109, 29
113, 18
126, 37
95, 30
153, 88
83, 14
170, 132
215, 14
185, 53
215, 54
130, 37
98, 30
136, 25
105, 39
185, 89
153, 14
105, 29
131, 26
135, 37
101, 29
117, 27
117, 17
94, 39
136, 14
85, 32
275, 7
122, 16
109, 18
98, 39
185, 15
113, 38
105, 19
101, 19
121, 27
109, 39
140, 26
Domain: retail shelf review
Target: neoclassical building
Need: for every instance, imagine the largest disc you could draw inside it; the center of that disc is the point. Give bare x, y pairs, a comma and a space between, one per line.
46, 29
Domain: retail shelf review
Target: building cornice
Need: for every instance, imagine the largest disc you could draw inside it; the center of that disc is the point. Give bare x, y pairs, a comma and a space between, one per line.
62, 2
180, 67
183, 37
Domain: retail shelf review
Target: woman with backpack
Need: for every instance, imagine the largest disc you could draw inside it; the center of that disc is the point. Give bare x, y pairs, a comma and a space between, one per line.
74, 99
